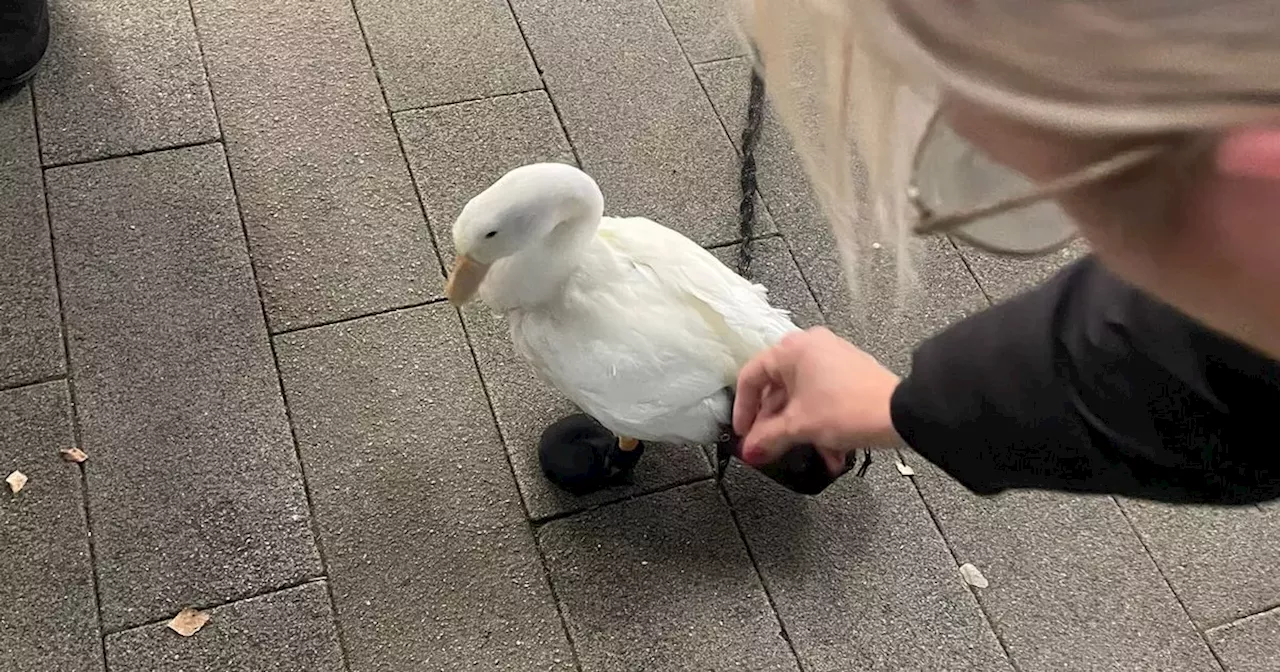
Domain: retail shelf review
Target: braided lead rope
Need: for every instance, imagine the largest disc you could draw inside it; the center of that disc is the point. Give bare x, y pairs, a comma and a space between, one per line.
747, 174
747, 215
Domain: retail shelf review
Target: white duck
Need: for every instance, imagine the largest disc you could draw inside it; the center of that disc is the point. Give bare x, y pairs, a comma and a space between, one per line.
639, 326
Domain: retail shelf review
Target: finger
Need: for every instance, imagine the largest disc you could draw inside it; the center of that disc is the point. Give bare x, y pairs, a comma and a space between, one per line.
759, 373
1251, 153
792, 340
773, 400
770, 437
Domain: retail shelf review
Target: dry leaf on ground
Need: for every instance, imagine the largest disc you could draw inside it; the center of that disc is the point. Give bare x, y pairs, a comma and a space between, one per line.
74, 455
188, 622
973, 576
16, 481
905, 469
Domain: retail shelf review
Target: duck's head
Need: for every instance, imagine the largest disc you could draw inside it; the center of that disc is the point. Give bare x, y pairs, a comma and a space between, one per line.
547, 207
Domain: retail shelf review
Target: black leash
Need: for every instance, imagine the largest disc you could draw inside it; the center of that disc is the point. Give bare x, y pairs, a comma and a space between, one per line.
747, 172
797, 470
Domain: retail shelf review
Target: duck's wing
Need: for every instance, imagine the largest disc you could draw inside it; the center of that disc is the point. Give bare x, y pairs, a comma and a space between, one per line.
734, 308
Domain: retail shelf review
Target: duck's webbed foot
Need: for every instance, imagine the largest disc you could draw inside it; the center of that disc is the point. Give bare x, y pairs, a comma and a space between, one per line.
580, 456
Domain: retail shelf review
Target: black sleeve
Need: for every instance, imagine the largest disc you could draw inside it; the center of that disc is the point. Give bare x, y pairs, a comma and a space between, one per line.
1087, 385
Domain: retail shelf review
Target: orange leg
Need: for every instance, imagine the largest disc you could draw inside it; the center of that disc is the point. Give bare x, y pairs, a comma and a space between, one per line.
626, 444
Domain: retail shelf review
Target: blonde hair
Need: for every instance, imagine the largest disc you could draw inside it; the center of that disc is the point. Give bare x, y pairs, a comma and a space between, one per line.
855, 81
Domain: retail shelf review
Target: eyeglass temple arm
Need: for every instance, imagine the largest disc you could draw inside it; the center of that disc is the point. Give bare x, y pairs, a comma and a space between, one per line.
929, 223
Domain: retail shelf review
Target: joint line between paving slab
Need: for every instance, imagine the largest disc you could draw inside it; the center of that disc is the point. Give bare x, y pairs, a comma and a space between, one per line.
461, 322
539, 523
764, 583
140, 152
937, 524
354, 318
982, 609
312, 525
13, 387
739, 241
964, 259
515, 480
542, 78
1264, 612
210, 606
714, 61
555, 598
395, 129
71, 389
464, 101
1133, 527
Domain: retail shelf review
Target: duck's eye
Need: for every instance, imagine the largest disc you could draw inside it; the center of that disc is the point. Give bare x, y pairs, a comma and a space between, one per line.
491, 234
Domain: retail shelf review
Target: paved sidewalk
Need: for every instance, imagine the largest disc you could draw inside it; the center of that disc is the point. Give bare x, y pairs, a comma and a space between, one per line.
222, 229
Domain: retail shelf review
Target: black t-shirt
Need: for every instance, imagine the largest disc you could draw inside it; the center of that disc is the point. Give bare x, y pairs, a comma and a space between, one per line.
1086, 384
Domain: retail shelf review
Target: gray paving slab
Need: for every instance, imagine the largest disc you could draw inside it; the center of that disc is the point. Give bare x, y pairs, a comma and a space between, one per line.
1071, 586
48, 612
1005, 277
635, 112
121, 76
876, 319
194, 484
1249, 645
335, 228
663, 582
457, 151
446, 51
30, 327
1224, 563
287, 631
861, 577
707, 29
432, 562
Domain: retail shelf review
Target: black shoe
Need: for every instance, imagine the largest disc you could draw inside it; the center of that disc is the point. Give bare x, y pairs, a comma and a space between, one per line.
24, 37
580, 456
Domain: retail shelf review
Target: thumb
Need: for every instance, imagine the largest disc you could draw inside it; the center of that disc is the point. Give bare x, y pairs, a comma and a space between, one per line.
769, 438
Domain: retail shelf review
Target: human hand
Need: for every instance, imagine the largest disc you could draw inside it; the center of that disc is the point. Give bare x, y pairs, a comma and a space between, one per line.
813, 387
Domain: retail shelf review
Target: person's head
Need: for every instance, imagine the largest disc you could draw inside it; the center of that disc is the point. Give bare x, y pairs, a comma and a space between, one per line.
1153, 124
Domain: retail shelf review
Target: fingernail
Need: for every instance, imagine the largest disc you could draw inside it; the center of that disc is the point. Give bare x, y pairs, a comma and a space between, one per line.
1251, 153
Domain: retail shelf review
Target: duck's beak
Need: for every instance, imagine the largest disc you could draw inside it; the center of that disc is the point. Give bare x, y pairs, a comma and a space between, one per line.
464, 279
